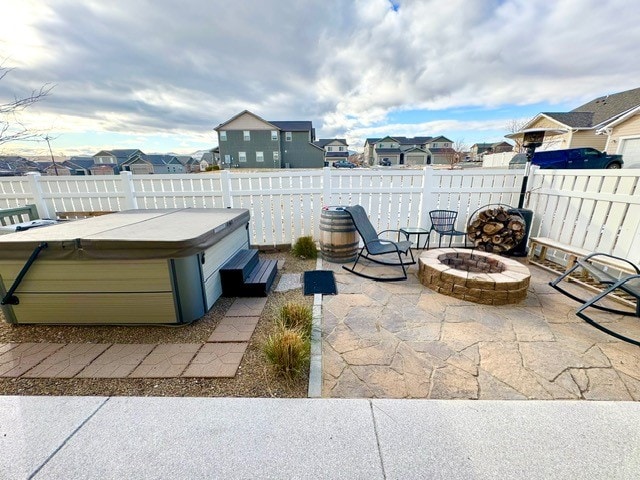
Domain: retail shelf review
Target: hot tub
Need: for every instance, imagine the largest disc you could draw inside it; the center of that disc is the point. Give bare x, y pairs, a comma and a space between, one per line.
131, 267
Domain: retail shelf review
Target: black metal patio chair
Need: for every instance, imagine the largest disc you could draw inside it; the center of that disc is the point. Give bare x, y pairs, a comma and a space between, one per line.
629, 284
443, 223
374, 245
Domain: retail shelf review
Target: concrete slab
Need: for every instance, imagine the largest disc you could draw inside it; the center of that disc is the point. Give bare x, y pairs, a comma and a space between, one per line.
25, 356
234, 329
247, 307
147, 438
68, 361
508, 439
33, 428
117, 361
216, 360
166, 361
289, 281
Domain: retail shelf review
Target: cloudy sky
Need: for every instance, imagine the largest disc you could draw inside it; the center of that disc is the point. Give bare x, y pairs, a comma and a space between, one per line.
159, 75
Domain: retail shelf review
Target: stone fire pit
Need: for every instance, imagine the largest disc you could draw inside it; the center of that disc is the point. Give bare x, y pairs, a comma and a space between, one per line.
475, 276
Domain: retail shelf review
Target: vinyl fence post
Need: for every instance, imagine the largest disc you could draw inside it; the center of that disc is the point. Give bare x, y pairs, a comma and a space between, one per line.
326, 186
428, 190
38, 197
225, 185
128, 189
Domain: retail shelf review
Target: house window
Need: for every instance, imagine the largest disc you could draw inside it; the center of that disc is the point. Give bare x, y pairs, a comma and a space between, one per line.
341, 149
227, 159
247, 135
223, 136
287, 136
242, 157
274, 135
259, 156
329, 149
276, 156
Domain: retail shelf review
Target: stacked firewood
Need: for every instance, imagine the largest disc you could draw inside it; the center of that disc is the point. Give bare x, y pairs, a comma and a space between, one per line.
496, 230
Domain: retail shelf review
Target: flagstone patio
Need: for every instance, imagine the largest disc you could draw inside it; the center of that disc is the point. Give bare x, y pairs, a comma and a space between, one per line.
402, 340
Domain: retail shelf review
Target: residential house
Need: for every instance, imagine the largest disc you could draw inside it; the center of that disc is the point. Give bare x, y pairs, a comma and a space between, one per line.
209, 159
586, 126
158, 164
334, 149
408, 151
623, 137
442, 151
190, 164
11, 165
478, 149
248, 141
109, 162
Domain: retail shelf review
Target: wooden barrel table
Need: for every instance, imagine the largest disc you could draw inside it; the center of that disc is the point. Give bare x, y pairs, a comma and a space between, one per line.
338, 236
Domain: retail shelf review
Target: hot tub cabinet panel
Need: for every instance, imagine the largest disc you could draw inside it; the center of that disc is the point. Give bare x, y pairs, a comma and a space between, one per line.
134, 267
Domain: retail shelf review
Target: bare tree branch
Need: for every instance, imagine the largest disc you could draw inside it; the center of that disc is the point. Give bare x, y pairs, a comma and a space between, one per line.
11, 128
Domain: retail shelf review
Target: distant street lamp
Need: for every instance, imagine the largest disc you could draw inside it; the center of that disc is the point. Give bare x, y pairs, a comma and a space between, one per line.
55, 166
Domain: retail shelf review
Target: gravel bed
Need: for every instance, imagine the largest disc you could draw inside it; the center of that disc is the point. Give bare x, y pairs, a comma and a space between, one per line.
254, 377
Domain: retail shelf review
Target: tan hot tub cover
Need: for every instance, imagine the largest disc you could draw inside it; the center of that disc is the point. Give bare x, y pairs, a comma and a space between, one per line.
131, 234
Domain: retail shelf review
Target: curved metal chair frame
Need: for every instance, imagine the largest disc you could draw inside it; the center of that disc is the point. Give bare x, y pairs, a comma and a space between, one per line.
629, 284
443, 222
373, 245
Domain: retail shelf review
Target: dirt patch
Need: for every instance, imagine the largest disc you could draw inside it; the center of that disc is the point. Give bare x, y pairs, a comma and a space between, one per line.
254, 377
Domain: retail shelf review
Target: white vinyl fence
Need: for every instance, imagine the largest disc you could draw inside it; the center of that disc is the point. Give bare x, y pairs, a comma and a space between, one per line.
284, 204
497, 160
598, 210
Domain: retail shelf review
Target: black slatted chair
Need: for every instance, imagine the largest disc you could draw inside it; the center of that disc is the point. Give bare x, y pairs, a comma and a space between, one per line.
443, 222
629, 284
374, 245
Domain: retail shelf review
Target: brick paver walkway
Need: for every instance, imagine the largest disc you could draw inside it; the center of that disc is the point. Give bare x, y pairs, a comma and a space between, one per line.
219, 357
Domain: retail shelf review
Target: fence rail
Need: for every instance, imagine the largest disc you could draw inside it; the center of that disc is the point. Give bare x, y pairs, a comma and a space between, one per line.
592, 209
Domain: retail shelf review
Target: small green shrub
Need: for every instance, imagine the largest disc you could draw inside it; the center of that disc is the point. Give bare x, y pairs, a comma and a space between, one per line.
212, 168
305, 247
288, 351
296, 316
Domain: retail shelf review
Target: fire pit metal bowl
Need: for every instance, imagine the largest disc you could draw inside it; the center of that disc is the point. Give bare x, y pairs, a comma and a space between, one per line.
479, 277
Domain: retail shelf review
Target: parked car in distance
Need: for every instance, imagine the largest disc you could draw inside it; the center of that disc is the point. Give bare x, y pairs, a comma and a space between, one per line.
579, 158
344, 164
385, 162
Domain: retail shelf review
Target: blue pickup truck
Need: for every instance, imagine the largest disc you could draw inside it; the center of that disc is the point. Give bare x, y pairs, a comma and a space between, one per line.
585, 157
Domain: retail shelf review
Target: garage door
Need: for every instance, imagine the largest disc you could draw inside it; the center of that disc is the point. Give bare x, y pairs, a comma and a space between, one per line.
630, 150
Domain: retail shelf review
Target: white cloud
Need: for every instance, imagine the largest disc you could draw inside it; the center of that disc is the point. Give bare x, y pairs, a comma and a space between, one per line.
181, 68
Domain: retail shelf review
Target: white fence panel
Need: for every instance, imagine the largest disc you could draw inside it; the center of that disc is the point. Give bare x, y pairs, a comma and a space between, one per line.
15, 192
497, 160
598, 210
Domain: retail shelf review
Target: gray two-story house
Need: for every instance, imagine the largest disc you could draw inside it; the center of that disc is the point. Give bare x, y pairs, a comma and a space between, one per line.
109, 162
248, 141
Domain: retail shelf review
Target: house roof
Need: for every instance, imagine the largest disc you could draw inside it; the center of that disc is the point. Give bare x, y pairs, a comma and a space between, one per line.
244, 112
440, 139
388, 150
608, 107
442, 150
411, 148
325, 141
337, 154
572, 119
598, 112
80, 162
293, 126
160, 159
483, 145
